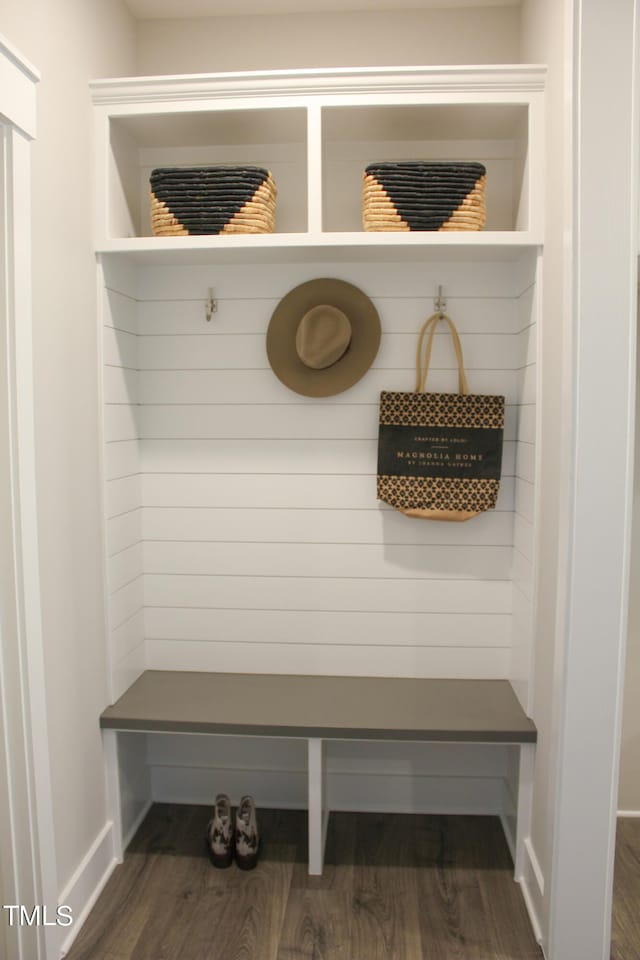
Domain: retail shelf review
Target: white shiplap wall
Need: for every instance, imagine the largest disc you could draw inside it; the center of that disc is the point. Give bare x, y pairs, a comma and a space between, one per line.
264, 545
122, 488
524, 544
244, 532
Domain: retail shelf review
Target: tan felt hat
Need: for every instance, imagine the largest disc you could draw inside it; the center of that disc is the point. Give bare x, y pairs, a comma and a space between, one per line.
323, 337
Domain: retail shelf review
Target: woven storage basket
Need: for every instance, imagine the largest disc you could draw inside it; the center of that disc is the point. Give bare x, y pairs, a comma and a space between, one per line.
424, 195
222, 199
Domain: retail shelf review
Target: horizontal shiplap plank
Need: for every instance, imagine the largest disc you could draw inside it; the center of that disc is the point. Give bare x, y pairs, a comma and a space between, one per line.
325, 659
125, 566
126, 602
523, 574
525, 465
123, 531
122, 495
329, 593
120, 422
119, 311
120, 348
526, 423
262, 386
319, 526
272, 456
525, 308
248, 351
529, 349
328, 560
522, 649
527, 377
402, 314
126, 671
523, 534
397, 280
525, 499
277, 420
120, 274
276, 491
127, 636
352, 628
121, 459
120, 385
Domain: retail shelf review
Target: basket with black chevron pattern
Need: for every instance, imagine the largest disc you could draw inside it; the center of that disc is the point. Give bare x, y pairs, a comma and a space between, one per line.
424, 195
188, 201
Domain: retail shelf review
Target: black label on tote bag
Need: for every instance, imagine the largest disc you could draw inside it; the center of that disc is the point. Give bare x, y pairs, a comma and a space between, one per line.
436, 451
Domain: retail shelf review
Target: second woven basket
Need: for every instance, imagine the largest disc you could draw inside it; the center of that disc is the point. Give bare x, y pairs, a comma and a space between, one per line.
424, 195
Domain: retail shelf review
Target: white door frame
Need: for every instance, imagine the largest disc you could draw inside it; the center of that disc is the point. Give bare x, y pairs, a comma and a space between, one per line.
597, 527
26, 824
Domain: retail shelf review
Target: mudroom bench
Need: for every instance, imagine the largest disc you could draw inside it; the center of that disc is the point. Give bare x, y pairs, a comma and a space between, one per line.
320, 709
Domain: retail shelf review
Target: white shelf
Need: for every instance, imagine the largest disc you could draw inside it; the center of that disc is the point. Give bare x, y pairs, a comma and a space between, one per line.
303, 247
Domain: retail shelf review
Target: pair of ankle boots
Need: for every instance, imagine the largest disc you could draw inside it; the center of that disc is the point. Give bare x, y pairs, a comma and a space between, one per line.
226, 842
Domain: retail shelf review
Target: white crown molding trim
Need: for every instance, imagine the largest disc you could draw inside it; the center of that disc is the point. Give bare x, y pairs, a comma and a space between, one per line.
343, 81
13, 54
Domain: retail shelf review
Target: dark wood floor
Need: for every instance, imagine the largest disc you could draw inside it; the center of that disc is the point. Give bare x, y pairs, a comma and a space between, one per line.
625, 921
394, 888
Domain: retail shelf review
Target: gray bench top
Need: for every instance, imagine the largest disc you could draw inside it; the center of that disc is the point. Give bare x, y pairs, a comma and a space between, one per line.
357, 708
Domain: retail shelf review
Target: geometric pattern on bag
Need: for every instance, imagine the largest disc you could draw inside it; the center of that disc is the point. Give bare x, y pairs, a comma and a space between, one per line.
439, 454
438, 493
431, 409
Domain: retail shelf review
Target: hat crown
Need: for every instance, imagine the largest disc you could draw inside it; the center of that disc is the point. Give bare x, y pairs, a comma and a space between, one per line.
323, 336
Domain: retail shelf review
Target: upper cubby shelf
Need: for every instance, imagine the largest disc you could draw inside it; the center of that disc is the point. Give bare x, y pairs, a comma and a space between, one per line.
317, 131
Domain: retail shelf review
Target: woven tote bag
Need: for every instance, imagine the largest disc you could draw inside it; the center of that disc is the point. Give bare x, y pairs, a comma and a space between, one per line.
439, 454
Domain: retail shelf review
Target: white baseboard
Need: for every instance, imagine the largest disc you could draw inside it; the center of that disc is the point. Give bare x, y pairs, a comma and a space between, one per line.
534, 863
531, 910
91, 876
628, 813
87, 882
532, 885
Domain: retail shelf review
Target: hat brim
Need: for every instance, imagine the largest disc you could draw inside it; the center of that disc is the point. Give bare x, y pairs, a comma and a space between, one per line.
355, 361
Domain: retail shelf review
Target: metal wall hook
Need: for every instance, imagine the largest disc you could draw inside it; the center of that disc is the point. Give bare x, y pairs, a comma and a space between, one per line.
211, 306
440, 303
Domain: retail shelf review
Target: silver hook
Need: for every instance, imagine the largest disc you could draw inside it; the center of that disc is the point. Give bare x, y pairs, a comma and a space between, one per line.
440, 304
211, 306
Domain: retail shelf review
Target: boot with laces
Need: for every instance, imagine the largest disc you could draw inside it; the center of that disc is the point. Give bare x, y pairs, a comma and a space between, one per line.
220, 833
247, 841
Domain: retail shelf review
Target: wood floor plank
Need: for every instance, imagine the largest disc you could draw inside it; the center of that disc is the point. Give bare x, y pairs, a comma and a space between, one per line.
471, 906
122, 911
451, 921
625, 921
385, 921
395, 887
241, 916
505, 922
316, 926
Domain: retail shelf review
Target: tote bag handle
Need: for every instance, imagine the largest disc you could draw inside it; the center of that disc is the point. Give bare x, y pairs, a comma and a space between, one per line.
422, 365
